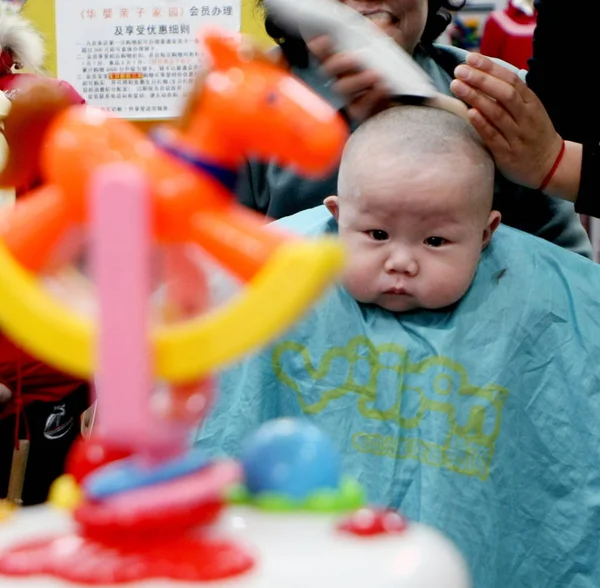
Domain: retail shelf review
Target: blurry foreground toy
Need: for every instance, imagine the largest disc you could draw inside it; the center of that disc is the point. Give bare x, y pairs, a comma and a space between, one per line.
284, 540
242, 106
136, 505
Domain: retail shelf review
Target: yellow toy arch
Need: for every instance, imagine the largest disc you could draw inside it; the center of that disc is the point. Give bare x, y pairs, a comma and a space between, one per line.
182, 352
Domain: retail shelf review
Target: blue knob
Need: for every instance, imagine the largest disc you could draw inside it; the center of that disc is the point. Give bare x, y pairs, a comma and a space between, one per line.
291, 457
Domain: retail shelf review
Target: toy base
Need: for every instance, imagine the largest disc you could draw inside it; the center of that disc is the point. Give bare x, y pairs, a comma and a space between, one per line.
292, 550
81, 560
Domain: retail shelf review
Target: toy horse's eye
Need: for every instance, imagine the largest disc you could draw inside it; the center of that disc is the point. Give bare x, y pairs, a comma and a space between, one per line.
271, 98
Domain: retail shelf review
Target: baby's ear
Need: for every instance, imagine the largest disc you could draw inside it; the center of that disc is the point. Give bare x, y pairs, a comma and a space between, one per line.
492, 224
332, 204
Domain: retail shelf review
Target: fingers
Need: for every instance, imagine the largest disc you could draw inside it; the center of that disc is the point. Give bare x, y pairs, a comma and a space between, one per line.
350, 78
509, 96
494, 139
353, 84
490, 108
361, 88
450, 104
369, 103
509, 118
341, 64
321, 47
333, 65
487, 65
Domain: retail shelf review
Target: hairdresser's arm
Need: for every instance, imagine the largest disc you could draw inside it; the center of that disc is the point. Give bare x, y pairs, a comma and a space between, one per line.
566, 180
517, 129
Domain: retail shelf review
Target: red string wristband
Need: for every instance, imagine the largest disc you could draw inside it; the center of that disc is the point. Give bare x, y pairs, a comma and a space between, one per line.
551, 173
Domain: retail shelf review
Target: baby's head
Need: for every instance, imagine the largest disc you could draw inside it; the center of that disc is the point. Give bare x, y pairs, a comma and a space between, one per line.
414, 204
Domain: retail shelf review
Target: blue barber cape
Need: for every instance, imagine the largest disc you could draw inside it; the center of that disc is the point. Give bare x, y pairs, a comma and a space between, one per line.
482, 420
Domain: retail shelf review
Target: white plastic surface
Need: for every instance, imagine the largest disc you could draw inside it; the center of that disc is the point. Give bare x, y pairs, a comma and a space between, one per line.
293, 551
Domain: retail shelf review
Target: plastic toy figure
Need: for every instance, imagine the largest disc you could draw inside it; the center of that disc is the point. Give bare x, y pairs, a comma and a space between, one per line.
144, 508
242, 105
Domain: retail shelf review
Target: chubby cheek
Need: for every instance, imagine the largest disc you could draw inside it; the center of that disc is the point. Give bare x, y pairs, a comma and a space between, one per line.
361, 275
447, 283
359, 280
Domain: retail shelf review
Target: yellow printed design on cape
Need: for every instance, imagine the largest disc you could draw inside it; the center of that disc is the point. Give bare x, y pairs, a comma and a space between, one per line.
443, 420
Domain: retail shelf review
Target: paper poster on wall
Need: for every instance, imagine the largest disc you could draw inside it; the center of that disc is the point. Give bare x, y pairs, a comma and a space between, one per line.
137, 60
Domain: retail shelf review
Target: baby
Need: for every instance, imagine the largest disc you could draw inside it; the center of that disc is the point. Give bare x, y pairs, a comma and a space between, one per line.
414, 202
456, 416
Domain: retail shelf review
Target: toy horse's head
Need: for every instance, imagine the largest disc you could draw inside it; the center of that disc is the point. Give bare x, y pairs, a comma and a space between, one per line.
260, 110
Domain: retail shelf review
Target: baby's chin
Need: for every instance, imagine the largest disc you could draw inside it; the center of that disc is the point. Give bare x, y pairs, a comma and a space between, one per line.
390, 302
404, 302
407, 303
398, 303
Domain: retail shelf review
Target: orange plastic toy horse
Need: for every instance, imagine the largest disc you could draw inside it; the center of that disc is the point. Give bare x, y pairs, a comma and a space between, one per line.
243, 105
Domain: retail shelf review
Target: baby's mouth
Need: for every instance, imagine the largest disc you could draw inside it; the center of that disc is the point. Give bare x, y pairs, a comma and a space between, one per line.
396, 292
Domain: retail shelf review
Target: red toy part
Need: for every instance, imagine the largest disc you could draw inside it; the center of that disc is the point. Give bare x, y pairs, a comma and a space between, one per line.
87, 455
181, 503
84, 561
99, 523
368, 522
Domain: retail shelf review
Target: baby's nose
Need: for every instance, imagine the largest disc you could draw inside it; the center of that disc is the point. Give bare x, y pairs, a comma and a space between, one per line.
401, 261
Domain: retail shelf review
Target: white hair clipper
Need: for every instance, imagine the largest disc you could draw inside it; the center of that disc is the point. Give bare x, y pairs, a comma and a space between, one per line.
350, 32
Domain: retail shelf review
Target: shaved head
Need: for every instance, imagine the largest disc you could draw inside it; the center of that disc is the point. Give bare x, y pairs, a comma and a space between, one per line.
419, 136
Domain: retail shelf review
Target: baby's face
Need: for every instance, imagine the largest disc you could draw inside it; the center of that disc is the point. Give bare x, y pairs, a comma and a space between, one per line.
414, 235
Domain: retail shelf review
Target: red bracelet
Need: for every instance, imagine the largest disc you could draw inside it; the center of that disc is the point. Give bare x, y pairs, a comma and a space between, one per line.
551, 173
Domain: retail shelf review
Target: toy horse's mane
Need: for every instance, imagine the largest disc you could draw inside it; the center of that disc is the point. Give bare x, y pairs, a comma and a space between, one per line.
18, 36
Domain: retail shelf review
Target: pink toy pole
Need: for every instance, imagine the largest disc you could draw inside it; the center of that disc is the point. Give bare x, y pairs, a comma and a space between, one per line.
120, 244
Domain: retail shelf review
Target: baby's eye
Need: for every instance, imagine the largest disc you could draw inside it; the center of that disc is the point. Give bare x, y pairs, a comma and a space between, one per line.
435, 241
378, 235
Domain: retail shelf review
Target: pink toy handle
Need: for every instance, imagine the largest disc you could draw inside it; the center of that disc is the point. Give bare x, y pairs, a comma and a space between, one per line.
120, 246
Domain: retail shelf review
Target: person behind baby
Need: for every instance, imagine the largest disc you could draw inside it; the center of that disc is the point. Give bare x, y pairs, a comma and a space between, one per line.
414, 208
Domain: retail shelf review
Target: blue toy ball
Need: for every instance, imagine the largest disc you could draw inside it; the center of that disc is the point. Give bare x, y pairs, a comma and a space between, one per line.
290, 457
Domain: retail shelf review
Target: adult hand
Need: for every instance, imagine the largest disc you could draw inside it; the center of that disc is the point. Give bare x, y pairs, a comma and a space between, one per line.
510, 119
363, 90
